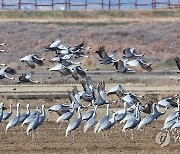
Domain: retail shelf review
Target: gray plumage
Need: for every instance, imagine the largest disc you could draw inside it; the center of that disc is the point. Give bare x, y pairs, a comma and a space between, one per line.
87, 93
74, 123
33, 124
148, 119
173, 115
105, 118
42, 116
130, 98
61, 69
158, 112
139, 65
131, 53
3, 44
32, 59
26, 78
91, 120
25, 115
121, 67
15, 120
120, 116
1, 112
66, 116
31, 117
105, 58
74, 97
128, 116
168, 102
168, 125
87, 115
59, 109
114, 89
54, 45
77, 70
99, 94
133, 122
107, 124
177, 122
6, 115
5, 70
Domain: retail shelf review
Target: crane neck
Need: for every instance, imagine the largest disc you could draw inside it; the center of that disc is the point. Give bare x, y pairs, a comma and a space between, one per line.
138, 116
107, 110
43, 111
178, 118
178, 108
1, 115
137, 112
10, 108
125, 62
79, 116
164, 110
18, 110
28, 110
38, 114
154, 109
94, 113
125, 107
114, 120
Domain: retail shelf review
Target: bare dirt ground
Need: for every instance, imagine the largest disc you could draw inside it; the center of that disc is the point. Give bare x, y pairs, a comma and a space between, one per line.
158, 38
51, 139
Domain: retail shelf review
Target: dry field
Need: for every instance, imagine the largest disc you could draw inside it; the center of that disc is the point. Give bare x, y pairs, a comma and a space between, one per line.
154, 33
61, 90
51, 139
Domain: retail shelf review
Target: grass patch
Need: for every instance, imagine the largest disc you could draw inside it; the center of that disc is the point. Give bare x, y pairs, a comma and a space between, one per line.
88, 24
169, 64
15, 14
115, 14
169, 13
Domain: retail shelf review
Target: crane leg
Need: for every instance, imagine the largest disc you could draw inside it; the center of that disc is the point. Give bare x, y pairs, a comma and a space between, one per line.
113, 76
132, 135
33, 137
30, 134
102, 135
147, 128
126, 136
73, 136
21, 128
3, 125
60, 125
106, 134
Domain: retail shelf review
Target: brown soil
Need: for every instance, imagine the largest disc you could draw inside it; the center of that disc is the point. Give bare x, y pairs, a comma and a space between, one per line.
50, 139
157, 39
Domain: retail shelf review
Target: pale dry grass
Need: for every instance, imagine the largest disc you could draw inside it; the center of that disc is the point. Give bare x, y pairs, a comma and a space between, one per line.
66, 87
90, 14
103, 20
